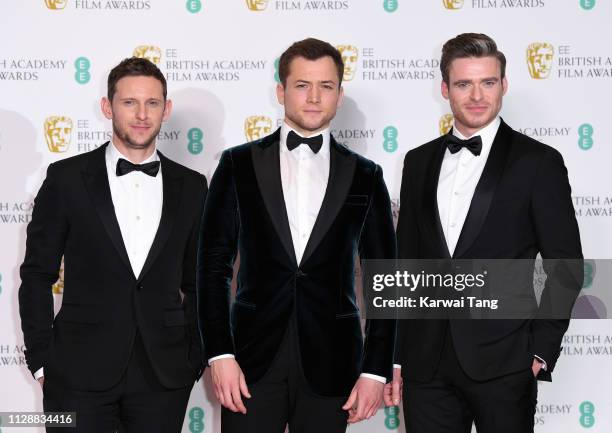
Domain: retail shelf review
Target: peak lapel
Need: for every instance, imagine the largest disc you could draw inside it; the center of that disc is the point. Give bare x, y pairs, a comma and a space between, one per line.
341, 172
485, 189
266, 162
172, 184
96, 183
430, 198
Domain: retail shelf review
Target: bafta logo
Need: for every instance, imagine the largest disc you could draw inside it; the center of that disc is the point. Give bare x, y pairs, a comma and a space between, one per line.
350, 55
58, 130
445, 124
540, 59
453, 4
256, 127
149, 52
58, 287
257, 5
56, 4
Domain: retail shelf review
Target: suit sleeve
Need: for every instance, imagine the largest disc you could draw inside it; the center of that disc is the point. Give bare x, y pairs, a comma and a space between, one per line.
46, 238
188, 285
216, 255
378, 242
407, 237
558, 238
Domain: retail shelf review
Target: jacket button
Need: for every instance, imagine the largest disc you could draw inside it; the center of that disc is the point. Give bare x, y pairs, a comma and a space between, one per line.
300, 274
139, 287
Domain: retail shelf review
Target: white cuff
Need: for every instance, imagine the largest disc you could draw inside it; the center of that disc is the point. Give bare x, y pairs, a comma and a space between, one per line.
544, 366
397, 366
376, 377
225, 355
39, 373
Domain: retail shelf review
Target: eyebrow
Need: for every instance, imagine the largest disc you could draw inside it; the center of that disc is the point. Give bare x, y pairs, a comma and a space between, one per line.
496, 79
322, 82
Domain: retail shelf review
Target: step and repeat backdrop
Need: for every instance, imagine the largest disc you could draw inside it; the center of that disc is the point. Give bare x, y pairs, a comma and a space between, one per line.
220, 58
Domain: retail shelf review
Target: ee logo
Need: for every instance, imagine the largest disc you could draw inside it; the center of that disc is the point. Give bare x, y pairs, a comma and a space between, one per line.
392, 417
390, 136
586, 414
585, 134
82, 75
196, 420
195, 145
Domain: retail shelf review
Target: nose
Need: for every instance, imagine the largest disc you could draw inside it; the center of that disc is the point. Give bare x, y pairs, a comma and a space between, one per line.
314, 95
141, 113
476, 93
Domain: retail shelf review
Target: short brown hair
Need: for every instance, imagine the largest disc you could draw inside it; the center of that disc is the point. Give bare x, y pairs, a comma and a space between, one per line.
310, 49
469, 45
134, 67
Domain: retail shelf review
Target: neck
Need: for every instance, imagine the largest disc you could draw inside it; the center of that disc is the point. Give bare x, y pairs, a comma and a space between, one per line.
134, 155
305, 132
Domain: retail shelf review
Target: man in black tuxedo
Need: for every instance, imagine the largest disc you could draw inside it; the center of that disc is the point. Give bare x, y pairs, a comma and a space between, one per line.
124, 349
298, 207
483, 191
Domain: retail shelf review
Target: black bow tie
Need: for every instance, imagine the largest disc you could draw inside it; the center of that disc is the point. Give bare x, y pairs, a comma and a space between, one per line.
455, 144
294, 140
124, 167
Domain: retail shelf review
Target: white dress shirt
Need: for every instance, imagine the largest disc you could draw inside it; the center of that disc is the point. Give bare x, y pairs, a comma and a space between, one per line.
137, 199
459, 175
304, 177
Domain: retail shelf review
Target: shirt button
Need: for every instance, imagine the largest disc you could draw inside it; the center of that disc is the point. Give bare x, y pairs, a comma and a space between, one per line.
138, 218
453, 224
456, 193
136, 185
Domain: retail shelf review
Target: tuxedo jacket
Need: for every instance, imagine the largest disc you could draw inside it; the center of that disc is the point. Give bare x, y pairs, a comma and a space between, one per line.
88, 344
245, 213
522, 206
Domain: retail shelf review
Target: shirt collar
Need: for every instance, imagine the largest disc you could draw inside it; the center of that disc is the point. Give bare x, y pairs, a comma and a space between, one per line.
285, 129
113, 155
487, 134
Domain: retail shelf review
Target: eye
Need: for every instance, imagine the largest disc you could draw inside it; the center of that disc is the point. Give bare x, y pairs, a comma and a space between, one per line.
154, 103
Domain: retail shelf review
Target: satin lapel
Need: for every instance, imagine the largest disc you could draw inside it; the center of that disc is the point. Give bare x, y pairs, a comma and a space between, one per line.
485, 189
430, 198
96, 183
266, 162
341, 172
172, 184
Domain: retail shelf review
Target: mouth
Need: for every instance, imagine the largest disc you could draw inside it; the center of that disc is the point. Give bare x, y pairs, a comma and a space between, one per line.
477, 109
140, 128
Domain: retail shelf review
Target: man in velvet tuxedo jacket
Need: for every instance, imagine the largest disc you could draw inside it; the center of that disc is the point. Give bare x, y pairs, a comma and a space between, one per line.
124, 349
297, 207
498, 195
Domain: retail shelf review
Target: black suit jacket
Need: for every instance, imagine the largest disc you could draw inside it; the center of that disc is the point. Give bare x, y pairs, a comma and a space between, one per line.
88, 344
245, 213
521, 207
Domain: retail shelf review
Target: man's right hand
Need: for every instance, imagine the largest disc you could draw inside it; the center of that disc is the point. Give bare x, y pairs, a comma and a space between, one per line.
41, 380
229, 384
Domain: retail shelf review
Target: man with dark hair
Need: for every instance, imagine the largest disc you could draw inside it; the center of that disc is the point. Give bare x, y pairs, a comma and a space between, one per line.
482, 191
298, 207
124, 350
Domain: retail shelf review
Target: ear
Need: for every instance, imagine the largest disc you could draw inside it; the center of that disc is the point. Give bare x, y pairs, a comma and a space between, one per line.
107, 109
167, 110
340, 97
280, 93
444, 89
504, 85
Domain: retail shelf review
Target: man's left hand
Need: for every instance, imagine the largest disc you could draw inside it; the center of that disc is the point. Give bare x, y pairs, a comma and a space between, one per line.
364, 400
